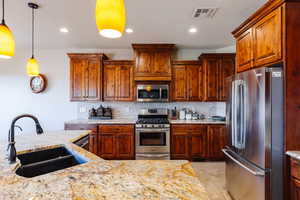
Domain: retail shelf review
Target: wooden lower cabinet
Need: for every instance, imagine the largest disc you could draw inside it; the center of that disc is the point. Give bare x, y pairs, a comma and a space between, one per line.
216, 137
295, 179
194, 142
116, 142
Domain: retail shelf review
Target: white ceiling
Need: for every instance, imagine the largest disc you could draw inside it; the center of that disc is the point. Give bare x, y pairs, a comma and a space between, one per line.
153, 21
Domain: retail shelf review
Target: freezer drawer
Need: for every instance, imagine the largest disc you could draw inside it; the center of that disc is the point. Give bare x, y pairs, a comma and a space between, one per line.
243, 181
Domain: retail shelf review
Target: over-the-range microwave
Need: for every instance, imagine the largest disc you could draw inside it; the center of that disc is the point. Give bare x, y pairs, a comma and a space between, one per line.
152, 93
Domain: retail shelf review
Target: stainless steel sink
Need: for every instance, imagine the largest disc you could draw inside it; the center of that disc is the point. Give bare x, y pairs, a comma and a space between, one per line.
45, 161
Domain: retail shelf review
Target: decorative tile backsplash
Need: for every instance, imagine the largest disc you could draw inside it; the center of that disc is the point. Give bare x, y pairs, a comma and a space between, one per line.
131, 109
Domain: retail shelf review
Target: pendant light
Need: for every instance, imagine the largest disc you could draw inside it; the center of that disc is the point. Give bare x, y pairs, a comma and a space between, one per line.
32, 63
110, 18
7, 42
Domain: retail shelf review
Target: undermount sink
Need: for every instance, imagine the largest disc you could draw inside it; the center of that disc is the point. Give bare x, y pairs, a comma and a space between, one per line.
45, 161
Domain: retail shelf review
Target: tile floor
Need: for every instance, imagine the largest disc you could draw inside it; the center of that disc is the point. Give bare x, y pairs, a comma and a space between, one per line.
212, 176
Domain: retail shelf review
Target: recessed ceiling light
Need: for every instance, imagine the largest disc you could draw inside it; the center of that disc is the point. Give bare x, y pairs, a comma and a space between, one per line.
129, 30
193, 30
64, 30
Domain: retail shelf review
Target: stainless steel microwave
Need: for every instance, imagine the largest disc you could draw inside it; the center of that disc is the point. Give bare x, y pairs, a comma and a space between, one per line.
152, 93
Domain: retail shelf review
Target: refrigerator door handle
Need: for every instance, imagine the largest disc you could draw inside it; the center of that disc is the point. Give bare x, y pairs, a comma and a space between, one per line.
254, 172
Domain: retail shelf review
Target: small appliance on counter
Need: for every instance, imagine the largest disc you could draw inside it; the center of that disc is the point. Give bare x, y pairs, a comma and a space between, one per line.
100, 113
182, 114
218, 118
174, 114
188, 115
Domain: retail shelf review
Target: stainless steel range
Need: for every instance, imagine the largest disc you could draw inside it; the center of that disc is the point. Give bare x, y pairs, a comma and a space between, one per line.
153, 135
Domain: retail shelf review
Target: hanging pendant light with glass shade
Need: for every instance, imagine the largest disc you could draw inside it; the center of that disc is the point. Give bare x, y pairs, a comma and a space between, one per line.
32, 63
110, 18
7, 42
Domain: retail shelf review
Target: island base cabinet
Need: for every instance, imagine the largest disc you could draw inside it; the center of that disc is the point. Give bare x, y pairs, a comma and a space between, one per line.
197, 142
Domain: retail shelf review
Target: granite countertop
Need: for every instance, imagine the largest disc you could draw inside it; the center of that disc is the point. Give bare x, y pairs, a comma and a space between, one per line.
97, 179
204, 121
106, 121
294, 154
133, 121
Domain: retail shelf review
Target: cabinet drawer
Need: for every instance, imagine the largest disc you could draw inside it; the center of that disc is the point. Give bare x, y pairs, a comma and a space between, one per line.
116, 128
80, 126
179, 129
295, 168
196, 129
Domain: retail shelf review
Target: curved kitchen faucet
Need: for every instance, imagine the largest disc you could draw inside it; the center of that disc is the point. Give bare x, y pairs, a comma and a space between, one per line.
12, 153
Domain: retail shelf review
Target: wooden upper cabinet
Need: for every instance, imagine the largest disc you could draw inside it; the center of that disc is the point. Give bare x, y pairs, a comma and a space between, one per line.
244, 51
216, 68
162, 62
187, 81
126, 83
153, 62
110, 82
211, 74
144, 62
118, 80
85, 77
179, 83
227, 65
195, 82
268, 39
78, 79
260, 39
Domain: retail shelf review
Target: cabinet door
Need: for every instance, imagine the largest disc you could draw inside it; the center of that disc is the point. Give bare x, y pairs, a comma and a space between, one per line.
143, 63
107, 145
226, 69
78, 79
295, 189
211, 67
125, 146
268, 39
162, 63
180, 142
125, 83
244, 51
216, 141
93, 142
179, 83
110, 81
93, 80
195, 83
198, 143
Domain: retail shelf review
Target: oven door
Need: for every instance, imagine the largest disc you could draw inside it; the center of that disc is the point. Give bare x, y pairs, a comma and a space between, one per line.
152, 93
153, 140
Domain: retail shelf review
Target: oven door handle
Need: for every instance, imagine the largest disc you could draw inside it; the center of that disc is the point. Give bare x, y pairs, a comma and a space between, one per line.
152, 155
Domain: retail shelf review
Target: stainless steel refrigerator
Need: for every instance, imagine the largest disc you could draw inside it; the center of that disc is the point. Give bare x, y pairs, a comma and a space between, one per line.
254, 152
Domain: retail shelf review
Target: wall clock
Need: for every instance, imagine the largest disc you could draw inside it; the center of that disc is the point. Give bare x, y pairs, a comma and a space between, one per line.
38, 83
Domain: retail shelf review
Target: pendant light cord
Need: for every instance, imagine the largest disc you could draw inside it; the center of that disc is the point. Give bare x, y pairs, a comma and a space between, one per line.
32, 39
3, 12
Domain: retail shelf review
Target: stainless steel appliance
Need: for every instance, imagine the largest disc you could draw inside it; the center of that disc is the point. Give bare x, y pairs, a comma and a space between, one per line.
152, 93
152, 135
255, 153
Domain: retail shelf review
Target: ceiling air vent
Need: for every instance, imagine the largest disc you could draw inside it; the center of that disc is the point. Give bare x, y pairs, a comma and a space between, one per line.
208, 12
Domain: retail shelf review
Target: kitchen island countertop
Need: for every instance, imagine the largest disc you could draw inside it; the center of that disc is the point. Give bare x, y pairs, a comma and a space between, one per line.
97, 179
